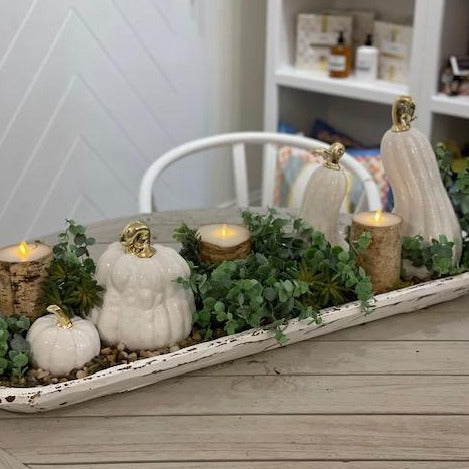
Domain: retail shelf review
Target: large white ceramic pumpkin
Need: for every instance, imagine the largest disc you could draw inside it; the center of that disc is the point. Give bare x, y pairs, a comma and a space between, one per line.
59, 344
420, 197
144, 306
324, 194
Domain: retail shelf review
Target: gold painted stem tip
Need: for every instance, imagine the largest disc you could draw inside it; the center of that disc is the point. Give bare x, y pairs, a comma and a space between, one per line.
63, 321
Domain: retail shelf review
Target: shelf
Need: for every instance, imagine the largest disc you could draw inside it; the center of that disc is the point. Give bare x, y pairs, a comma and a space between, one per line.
378, 91
457, 106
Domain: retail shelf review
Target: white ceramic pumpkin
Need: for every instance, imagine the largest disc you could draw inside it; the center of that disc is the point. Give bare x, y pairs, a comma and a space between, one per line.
324, 195
420, 197
59, 344
144, 306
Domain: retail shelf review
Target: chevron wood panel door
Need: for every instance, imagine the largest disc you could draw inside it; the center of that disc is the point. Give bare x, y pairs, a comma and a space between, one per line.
91, 92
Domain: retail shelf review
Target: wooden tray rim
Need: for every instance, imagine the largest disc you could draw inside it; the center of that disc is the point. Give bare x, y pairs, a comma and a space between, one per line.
409, 299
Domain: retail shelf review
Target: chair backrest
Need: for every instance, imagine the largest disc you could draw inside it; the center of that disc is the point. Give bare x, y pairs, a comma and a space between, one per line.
237, 141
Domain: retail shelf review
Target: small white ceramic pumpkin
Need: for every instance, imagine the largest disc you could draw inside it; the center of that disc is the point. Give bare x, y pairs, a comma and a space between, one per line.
324, 195
144, 306
420, 197
59, 344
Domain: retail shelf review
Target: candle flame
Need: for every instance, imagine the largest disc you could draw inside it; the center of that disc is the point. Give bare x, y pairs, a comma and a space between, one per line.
23, 249
378, 215
224, 231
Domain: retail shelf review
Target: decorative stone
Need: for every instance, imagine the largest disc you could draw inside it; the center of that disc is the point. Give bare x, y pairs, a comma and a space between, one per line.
81, 374
122, 355
132, 357
41, 374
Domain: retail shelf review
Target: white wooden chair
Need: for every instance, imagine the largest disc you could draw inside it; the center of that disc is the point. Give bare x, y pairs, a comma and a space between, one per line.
237, 141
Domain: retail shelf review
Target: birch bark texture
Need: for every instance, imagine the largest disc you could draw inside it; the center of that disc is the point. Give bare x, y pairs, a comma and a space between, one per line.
382, 259
20, 284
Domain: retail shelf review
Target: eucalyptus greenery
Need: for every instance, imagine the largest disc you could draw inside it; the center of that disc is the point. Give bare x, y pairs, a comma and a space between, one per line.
436, 257
70, 283
14, 349
456, 183
292, 272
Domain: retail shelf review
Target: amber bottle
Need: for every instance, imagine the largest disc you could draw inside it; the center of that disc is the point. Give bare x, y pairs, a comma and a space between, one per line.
340, 59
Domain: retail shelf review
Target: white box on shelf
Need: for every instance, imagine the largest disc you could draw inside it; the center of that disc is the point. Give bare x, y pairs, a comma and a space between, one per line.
394, 42
316, 33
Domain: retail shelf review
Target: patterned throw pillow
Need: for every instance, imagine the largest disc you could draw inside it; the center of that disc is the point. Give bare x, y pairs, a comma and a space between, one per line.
293, 170
295, 167
370, 158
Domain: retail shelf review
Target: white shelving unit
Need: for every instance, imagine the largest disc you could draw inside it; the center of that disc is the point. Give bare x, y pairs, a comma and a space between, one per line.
457, 106
378, 92
361, 109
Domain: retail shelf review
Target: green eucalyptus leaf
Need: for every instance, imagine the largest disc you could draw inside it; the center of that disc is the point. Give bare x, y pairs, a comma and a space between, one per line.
3, 365
79, 239
4, 335
23, 323
20, 360
436, 256
19, 343
219, 306
270, 294
3, 324
14, 349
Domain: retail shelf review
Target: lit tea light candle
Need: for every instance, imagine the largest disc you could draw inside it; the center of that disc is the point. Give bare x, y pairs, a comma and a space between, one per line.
223, 242
382, 259
24, 252
22, 270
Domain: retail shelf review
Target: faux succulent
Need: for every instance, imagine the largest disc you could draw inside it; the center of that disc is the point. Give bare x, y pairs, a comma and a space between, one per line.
70, 283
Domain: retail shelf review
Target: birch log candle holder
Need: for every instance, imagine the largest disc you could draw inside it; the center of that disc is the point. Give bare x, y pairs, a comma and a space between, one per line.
22, 270
220, 243
382, 259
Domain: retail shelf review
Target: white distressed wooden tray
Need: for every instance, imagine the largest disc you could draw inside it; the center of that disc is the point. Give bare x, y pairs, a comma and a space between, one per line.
147, 371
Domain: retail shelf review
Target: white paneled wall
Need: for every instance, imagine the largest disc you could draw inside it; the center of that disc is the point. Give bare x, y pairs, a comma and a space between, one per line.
92, 91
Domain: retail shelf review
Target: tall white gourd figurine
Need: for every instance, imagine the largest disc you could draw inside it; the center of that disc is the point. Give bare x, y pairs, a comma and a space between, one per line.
144, 306
419, 195
324, 194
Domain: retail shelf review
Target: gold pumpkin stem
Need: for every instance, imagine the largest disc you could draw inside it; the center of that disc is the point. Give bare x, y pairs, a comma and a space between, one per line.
403, 113
63, 321
136, 240
332, 155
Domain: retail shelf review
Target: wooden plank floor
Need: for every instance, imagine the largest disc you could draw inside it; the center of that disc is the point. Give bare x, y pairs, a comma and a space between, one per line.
385, 395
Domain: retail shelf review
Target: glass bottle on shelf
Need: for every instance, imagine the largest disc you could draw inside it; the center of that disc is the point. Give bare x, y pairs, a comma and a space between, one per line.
366, 61
340, 59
